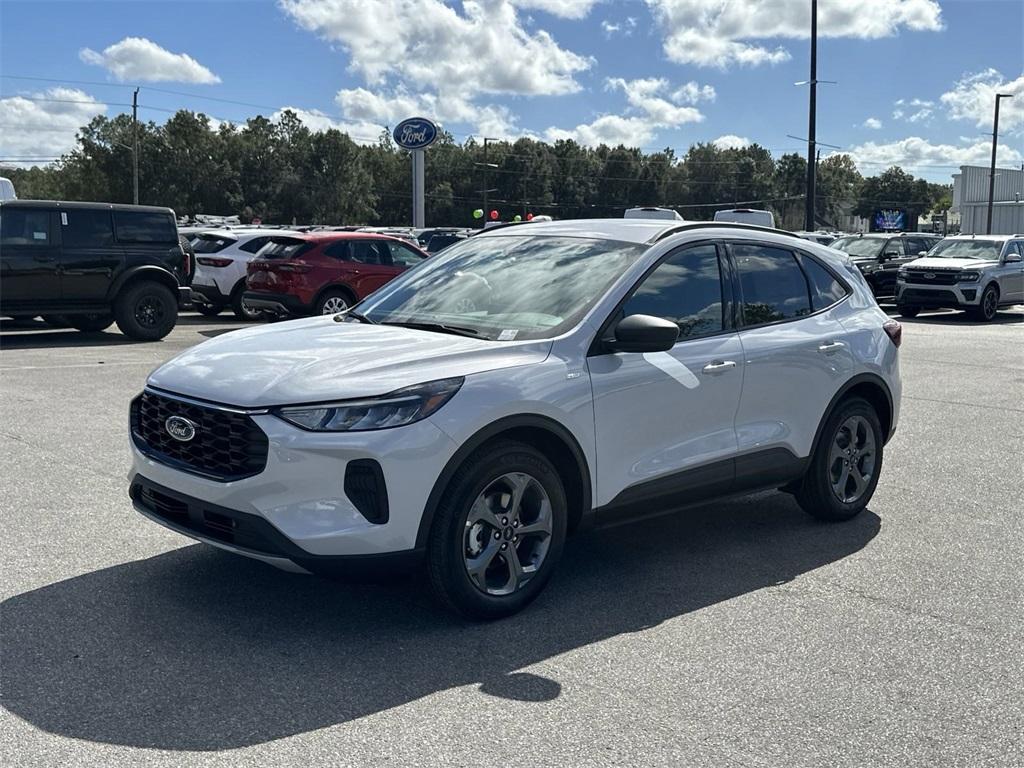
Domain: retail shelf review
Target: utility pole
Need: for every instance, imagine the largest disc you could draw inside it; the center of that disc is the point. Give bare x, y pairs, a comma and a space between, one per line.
992, 169
485, 165
809, 215
135, 147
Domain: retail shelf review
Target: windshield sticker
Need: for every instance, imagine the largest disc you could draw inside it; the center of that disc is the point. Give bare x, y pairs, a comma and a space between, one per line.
665, 362
508, 334
38, 235
63, 218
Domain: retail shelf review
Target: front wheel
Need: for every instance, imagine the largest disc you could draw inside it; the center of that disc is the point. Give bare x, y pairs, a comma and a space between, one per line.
498, 532
844, 469
989, 306
146, 311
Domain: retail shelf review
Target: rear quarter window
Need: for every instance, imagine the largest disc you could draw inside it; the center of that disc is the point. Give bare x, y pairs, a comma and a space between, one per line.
145, 227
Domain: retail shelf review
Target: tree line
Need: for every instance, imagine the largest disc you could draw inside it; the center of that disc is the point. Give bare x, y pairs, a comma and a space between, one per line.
282, 172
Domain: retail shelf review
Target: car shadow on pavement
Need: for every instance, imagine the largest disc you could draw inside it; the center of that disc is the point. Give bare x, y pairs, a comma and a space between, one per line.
961, 318
197, 649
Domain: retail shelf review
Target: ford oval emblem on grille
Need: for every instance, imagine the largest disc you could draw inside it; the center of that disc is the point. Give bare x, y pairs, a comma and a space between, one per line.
180, 428
928, 276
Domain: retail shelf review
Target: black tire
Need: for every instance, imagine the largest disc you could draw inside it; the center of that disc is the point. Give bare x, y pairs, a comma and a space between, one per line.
447, 543
907, 311
56, 321
988, 308
146, 311
208, 310
90, 323
341, 298
816, 495
241, 311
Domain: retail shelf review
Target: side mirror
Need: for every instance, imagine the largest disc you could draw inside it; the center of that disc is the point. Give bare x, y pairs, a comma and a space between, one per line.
922, 254
890, 255
643, 333
1012, 257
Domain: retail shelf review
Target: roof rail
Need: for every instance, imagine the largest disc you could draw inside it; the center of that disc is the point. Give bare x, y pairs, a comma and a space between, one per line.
692, 225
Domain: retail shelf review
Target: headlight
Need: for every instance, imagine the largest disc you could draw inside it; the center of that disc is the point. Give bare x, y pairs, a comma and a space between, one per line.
401, 407
901, 275
968, 277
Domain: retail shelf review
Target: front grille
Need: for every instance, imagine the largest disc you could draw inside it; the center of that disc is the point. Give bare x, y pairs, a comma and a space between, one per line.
226, 446
937, 278
910, 295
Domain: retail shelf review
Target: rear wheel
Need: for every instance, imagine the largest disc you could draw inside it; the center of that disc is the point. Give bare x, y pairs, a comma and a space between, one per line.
146, 311
906, 310
333, 302
988, 307
498, 532
90, 323
242, 310
844, 469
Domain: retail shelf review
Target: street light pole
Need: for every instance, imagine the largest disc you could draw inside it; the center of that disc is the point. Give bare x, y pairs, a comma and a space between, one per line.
135, 147
809, 211
992, 169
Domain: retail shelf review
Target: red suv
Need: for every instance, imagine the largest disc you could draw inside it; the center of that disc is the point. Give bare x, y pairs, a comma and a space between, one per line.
324, 272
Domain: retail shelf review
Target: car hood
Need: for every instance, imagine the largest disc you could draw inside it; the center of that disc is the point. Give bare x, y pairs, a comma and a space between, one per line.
940, 263
318, 359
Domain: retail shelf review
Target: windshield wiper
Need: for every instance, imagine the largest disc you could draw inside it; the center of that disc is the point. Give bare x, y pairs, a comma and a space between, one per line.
437, 328
341, 316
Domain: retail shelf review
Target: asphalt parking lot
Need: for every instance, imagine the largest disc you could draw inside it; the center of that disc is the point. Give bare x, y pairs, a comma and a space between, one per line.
738, 634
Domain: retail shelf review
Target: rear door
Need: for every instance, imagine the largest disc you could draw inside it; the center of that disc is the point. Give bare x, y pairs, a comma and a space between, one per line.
1011, 272
402, 256
795, 349
89, 256
29, 253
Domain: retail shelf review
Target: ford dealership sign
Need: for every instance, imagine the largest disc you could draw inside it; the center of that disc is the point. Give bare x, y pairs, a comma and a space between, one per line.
415, 133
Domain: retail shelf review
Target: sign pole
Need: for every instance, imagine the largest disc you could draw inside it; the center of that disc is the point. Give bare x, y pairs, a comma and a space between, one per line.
418, 195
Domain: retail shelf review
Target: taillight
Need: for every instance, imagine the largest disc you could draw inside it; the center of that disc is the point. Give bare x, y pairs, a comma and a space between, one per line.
298, 268
894, 331
212, 261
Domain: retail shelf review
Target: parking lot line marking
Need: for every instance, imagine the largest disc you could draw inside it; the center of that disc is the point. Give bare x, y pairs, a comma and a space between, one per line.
69, 365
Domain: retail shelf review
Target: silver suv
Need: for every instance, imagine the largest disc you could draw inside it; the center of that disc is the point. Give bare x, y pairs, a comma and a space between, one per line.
976, 273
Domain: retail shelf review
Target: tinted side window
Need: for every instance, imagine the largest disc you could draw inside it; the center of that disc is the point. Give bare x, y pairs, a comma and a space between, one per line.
22, 227
402, 256
254, 245
825, 289
144, 227
338, 250
366, 252
685, 288
86, 229
772, 285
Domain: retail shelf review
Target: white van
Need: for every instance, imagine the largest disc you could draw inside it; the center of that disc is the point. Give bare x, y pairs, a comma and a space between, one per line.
747, 216
7, 190
650, 212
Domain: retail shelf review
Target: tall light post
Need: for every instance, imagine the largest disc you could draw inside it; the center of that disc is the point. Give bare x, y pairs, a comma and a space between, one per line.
135, 147
992, 169
810, 210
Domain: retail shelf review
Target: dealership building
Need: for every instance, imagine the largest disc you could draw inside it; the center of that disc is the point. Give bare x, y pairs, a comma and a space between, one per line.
970, 200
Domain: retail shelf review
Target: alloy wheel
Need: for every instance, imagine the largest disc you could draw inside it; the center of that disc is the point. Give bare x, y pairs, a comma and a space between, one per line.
507, 534
333, 305
852, 459
989, 302
149, 311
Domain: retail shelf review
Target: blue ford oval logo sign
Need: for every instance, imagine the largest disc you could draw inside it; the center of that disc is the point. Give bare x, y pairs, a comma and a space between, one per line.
415, 133
180, 428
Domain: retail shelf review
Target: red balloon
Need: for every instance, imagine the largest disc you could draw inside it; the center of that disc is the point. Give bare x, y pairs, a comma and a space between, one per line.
529, 217
494, 215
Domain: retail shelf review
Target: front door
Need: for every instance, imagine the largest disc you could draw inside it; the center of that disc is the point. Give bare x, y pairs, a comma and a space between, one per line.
29, 252
665, 421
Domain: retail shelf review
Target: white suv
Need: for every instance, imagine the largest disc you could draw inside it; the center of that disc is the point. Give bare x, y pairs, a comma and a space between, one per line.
977, 273
525, 383
222, 256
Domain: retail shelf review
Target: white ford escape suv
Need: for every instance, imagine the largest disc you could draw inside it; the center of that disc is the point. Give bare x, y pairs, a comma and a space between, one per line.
523, 384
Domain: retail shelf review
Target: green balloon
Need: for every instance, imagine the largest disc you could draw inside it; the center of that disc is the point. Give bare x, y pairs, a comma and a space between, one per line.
478, 213
517, 218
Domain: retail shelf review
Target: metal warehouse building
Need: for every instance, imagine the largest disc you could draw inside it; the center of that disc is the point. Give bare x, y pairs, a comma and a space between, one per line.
970, 199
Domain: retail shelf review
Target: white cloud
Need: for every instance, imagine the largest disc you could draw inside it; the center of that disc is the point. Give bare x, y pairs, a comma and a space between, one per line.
718, 32
44, 129
431, 45
918, 155
731, 141
873, 124
652, 106
141, 60
567, 9
626, 27
973, 97
913, 110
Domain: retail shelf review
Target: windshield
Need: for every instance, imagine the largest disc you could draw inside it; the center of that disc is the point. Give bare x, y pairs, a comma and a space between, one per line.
859, 246
505, 287
982, 250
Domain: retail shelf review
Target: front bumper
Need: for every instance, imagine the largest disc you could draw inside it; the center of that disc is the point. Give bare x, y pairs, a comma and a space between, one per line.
300, 494
939, 296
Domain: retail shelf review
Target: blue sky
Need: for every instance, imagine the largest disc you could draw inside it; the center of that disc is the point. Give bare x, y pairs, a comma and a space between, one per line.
916, 77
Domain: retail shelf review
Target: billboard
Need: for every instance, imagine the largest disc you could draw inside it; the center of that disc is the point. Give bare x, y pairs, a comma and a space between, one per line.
889, 220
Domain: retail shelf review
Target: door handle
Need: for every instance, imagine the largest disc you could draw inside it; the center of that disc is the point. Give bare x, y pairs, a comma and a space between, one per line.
831, 347
42, 257
718, 366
